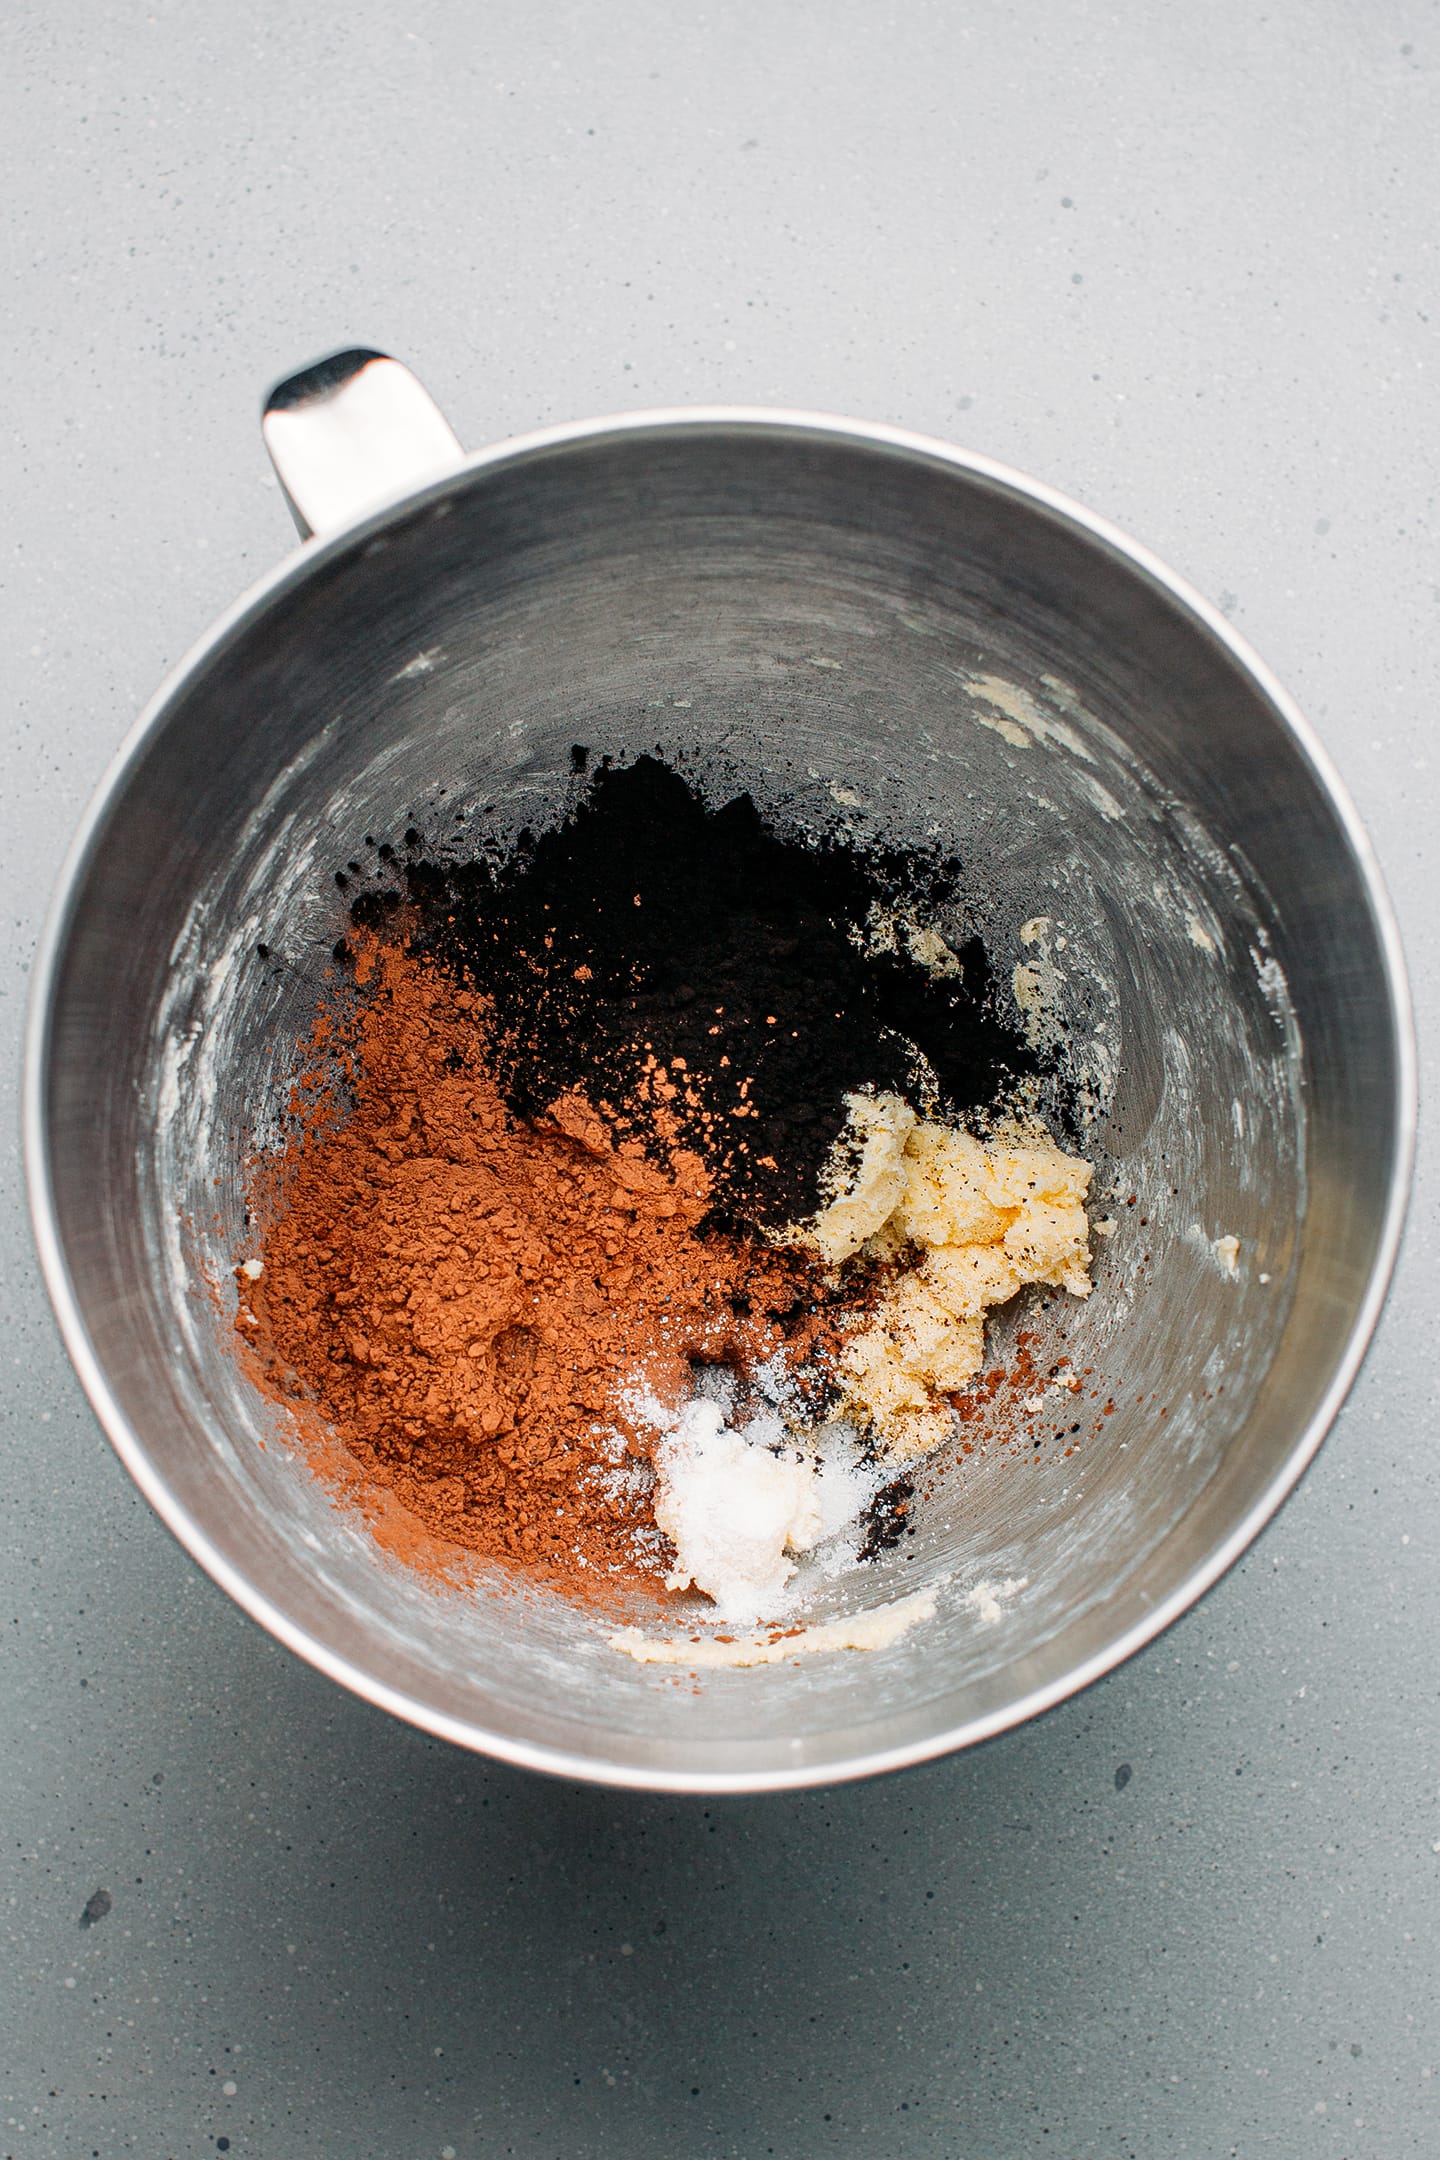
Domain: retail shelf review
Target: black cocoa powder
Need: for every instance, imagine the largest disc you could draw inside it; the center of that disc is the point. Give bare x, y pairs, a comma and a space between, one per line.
648, 932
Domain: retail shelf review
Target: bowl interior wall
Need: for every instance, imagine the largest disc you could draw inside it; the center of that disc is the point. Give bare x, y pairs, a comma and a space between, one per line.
851, 633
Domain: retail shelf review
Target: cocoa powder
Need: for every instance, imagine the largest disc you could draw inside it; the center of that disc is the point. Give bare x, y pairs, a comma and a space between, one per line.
465, 1297
650, 931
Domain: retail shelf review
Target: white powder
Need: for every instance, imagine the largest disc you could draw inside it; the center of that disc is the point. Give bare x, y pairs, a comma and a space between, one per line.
742, 1498
734, 1505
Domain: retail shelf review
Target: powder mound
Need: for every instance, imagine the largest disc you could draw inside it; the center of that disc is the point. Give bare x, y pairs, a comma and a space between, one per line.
746, 1484
466, 1297
735, 1506
698, 976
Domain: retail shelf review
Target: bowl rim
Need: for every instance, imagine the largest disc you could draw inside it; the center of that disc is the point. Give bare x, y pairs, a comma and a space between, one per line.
293, 571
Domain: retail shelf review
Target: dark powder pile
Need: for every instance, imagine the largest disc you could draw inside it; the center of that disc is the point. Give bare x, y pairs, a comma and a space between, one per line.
695, 976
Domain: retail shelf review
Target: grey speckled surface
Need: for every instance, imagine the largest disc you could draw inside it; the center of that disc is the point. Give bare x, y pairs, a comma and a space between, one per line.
1181, 264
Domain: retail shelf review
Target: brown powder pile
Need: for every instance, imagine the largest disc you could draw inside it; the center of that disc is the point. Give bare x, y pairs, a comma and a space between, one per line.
467, 1298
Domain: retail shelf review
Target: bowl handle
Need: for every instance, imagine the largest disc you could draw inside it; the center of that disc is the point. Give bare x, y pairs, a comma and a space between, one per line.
350, 431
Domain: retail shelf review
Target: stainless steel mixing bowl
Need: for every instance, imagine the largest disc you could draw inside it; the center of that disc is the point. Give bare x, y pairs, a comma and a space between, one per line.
859, 624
